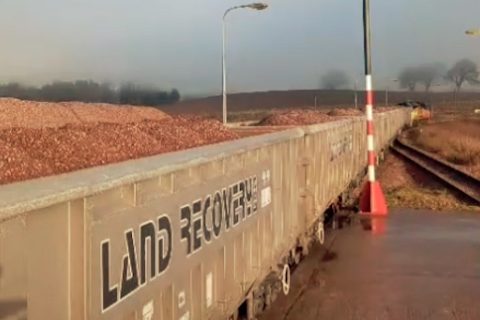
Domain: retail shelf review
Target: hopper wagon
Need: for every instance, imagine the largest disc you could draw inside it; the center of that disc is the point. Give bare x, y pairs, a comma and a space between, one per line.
205, 233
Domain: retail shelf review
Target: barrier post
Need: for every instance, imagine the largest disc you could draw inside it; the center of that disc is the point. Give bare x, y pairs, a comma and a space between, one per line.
372, 199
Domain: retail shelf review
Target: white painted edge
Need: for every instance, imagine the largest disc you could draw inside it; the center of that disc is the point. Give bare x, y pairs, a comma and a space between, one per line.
369, 112
370, 143
368, 82
371, 173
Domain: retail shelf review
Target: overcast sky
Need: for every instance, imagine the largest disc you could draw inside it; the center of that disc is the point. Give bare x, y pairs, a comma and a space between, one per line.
177, 43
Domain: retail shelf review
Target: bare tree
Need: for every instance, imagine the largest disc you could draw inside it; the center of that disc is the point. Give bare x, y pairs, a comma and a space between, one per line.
428, 73
463, 71
334, 79
424, 74
409, 78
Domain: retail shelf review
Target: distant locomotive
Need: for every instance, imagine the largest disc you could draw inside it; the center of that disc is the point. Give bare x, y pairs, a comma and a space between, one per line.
420, 110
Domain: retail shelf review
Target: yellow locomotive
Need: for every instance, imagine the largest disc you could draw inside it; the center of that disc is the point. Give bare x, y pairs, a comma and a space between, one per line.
421, 111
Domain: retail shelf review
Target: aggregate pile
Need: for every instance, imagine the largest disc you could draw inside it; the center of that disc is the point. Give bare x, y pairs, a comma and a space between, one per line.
42, 139
344, 112
295, 117
16, 113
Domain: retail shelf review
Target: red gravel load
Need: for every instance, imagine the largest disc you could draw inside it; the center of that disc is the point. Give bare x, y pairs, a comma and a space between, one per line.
345, 112
16, 113
41, 139
295, 117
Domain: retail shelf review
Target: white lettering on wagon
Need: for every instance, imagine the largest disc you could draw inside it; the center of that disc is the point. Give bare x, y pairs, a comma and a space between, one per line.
147, 311
201, 221
341, 143
266, 196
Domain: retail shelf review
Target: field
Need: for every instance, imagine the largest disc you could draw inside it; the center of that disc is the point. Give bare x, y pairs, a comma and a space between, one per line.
456, 141
453, 137
254, 105
407, 186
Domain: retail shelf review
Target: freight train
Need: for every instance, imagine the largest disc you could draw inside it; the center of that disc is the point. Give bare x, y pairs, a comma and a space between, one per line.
205, 233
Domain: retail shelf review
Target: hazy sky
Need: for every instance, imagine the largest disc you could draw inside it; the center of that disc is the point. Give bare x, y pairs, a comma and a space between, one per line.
177, 43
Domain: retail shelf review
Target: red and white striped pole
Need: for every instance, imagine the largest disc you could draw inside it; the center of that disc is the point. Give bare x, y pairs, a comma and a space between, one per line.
372, 199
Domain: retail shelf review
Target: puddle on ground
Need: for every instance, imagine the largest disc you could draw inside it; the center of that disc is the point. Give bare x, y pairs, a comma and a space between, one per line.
366, 224
329, 256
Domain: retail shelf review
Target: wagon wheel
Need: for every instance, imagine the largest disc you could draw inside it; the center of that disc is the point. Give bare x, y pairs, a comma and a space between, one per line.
321, 233
286, 279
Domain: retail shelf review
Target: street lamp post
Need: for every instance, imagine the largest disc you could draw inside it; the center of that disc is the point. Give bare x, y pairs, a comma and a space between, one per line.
355, 98
386, 95
254, 6
430, 98
472, 33
387, 92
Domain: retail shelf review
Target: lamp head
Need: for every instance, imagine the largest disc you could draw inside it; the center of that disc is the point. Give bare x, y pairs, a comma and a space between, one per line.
473, 32
258, 6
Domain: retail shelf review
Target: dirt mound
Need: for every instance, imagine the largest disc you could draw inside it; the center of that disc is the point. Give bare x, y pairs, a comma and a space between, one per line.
16, 113
42, 139
349, 112
384, 109
308, 116
295, 117
344, 112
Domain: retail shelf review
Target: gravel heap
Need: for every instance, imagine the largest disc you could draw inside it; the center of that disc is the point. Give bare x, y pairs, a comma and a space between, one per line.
345, 112
16, 113
42, 139
295, 117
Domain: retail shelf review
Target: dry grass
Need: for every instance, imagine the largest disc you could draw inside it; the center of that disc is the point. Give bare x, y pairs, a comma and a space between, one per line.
407, 186
448, 112
456, 141
426, 198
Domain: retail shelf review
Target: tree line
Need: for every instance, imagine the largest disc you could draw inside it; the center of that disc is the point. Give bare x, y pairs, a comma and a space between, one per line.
90, 91
463, 71
425, 75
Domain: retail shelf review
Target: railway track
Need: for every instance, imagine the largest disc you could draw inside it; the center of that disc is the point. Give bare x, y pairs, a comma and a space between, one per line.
446, 172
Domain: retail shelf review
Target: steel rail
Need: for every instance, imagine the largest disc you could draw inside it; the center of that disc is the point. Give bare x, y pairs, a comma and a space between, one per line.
443, 170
